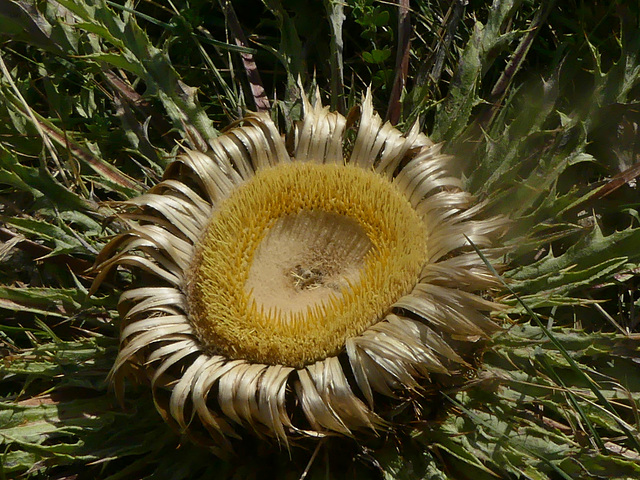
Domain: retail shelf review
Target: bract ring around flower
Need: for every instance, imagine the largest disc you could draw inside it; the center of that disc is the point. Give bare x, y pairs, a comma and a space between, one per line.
299, 284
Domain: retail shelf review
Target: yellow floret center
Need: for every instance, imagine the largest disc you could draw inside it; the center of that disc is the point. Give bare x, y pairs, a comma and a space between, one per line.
300, 258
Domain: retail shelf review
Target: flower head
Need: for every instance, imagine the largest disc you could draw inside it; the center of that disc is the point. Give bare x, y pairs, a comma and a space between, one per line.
287, 288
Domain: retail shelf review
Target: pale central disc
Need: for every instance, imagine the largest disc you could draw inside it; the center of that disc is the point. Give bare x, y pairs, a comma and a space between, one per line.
304, 260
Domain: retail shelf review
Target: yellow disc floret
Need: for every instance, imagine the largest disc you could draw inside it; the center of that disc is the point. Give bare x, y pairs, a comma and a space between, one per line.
300, 258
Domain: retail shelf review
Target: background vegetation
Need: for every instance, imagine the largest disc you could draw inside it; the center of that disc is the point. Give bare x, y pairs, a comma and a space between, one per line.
537, 100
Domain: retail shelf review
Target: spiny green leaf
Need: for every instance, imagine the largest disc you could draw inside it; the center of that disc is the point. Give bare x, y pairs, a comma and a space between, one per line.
38, 183
591, 258
45, 301
453, 114
62, 241
630, 431
151, 64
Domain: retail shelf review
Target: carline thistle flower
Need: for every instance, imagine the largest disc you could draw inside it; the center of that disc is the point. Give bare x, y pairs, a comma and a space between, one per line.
286, 289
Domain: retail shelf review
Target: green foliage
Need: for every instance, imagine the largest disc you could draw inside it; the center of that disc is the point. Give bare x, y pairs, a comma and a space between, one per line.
536, 100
